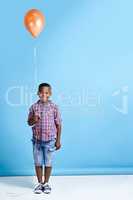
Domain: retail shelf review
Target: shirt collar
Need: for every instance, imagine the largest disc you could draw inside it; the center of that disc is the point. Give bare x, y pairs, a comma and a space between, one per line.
44, 103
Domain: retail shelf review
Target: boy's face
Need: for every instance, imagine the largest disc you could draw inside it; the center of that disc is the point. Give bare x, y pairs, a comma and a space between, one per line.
44, 94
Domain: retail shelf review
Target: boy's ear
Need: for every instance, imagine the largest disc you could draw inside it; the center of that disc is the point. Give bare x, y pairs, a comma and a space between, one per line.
50, 92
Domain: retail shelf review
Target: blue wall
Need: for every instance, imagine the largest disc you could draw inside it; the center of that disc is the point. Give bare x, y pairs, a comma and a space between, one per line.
86, 53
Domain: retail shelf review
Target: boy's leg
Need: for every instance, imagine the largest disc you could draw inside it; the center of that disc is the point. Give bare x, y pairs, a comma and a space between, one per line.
38, 161
39, 173
47, 173
48, 157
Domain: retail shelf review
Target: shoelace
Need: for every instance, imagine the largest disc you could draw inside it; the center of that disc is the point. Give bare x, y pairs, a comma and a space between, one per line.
47, 187
38, 187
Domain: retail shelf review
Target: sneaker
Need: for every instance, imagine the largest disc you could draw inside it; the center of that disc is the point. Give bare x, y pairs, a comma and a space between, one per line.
38, 189
46, 188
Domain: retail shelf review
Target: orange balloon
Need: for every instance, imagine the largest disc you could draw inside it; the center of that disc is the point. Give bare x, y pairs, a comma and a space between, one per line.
34, 21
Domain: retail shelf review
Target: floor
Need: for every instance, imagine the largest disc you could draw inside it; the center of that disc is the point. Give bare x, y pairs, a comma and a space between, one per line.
69, 187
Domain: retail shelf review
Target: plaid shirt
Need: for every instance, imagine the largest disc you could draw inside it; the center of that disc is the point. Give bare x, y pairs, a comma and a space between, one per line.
45, 129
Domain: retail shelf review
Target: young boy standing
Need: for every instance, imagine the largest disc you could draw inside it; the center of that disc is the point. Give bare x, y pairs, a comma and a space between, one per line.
45, 119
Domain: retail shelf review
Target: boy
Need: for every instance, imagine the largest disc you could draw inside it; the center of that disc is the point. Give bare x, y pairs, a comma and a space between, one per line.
45, 119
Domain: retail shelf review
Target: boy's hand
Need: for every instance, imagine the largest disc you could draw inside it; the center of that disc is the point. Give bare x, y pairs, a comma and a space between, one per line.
36, 118
33, 120
57, 144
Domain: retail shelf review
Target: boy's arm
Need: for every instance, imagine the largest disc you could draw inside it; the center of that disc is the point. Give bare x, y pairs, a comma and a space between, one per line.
58, 139
32, 119
58, 121
58, 126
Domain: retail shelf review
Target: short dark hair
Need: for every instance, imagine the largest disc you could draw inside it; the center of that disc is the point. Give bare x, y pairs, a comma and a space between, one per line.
43, 85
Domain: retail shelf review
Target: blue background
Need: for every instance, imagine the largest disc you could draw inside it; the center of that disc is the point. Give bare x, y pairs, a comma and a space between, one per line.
86, 53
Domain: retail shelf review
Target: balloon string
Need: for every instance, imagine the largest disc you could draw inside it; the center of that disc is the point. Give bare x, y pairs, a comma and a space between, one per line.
35, 66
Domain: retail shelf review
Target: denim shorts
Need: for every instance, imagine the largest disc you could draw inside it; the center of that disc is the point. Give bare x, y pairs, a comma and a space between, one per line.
43, 153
